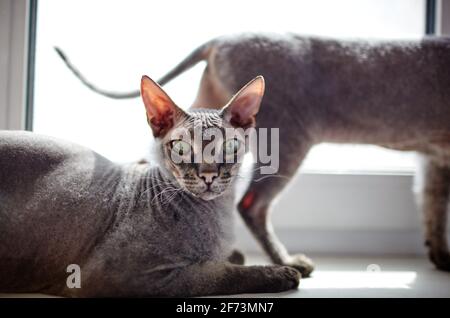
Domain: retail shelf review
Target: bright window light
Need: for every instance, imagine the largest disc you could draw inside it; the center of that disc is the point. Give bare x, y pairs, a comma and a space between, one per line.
115, 42
359, 279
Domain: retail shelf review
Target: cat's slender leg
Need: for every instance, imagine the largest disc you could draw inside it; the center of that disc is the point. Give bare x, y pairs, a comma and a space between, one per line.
212, 278
236, 257
256, 203
436, 192
211, 93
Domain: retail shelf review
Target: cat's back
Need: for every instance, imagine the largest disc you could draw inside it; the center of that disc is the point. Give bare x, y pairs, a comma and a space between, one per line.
239, 58
292, 59
26, 157
312, 81
21, 144
51, 206
42, 166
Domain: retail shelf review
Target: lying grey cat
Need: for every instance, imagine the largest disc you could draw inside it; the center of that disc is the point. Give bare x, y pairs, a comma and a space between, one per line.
394, 94
135, 230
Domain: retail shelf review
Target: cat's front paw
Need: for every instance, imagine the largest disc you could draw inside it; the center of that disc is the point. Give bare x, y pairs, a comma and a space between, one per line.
301, 263
284, 278
441, 259
236, 257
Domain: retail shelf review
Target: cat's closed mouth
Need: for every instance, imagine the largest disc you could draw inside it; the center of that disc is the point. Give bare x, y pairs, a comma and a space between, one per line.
209, 194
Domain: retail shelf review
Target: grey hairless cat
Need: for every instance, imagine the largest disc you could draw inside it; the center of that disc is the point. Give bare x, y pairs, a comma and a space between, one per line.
133, 230
394, 94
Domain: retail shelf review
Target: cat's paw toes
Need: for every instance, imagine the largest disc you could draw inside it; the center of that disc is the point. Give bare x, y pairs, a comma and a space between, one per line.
301, 263
237, 258
289, 278
441, 259
277, 278
291, 275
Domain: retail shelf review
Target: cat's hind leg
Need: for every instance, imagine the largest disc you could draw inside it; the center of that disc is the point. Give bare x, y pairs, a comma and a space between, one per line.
211, 93
434, 201
255, 205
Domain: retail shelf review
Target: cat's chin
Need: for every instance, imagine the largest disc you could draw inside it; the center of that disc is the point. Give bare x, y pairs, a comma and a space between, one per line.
208, 195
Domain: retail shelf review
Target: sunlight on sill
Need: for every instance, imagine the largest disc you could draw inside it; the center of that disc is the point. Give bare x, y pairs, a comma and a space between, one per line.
352, 159
355, 172
359, 279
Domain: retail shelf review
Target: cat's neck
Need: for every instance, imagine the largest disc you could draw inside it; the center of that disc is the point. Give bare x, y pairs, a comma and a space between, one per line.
172, 224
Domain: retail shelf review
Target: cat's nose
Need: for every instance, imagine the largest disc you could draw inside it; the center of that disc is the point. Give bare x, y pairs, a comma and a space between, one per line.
208, 177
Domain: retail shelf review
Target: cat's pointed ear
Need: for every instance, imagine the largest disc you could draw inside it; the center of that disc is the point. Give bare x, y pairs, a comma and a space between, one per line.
162, 112
241, 110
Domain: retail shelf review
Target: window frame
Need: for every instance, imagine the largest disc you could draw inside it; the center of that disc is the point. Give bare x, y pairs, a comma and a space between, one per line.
17, 26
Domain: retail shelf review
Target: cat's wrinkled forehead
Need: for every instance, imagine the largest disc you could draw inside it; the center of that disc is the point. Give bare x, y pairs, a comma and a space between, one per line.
203, 118
163, 115
199, 123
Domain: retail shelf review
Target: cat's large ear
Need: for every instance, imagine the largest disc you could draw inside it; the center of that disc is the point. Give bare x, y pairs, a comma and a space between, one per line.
161, 110
241, 110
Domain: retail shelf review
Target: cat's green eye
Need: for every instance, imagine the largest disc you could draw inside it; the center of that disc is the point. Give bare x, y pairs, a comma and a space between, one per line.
180, 147
231, 146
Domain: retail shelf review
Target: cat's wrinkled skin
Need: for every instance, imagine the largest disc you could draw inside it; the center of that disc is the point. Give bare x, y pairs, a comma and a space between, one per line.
388, 93
133, 230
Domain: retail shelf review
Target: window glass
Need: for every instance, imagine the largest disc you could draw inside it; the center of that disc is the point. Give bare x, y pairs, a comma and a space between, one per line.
115, 42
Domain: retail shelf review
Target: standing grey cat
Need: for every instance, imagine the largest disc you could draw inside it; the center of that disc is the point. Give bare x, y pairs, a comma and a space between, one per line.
394, 94
135, 230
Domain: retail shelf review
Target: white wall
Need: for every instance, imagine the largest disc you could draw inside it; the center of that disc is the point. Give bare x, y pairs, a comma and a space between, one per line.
338, 213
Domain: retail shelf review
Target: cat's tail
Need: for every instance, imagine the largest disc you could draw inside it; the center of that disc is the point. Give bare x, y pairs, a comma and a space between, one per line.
90, 85
198, 55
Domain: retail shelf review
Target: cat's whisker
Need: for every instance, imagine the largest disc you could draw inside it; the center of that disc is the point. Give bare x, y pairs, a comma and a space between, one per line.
249, 178
165, 191
237, 175
159, 194
271, 176
159, 183
172, 197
